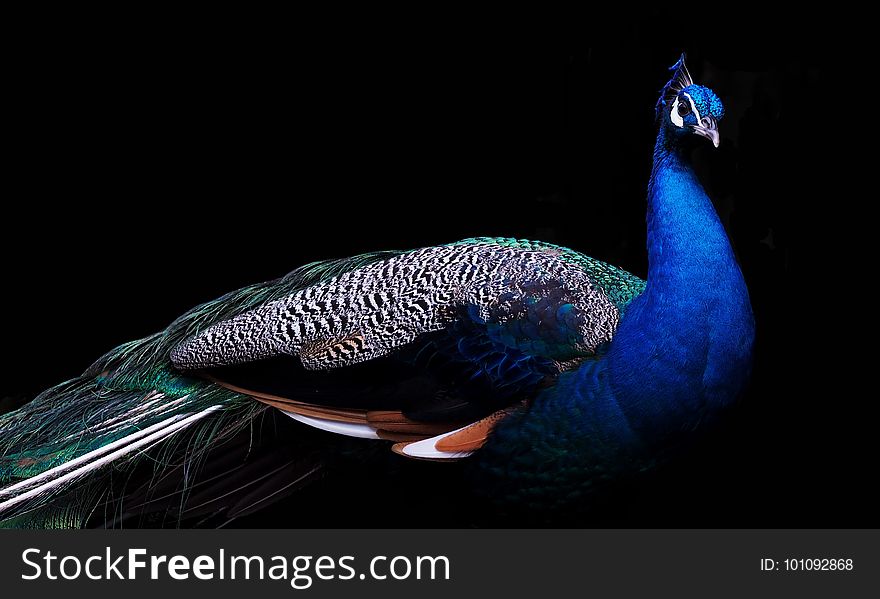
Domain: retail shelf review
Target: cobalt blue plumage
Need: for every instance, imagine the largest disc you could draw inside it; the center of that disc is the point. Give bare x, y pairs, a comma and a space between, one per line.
681, 353
551, 372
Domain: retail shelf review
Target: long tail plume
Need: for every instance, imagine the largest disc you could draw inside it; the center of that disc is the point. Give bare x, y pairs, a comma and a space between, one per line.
58, 477
131, 408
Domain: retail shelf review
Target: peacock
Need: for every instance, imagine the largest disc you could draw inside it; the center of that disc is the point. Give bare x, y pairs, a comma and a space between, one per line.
549, 373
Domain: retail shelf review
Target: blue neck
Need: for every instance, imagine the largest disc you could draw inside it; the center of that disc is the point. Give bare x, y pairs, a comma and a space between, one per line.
681, 352
683, 348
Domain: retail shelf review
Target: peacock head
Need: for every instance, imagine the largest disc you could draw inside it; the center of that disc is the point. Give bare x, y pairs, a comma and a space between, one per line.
686, 109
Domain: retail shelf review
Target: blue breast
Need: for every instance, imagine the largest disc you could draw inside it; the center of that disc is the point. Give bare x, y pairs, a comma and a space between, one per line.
681, 353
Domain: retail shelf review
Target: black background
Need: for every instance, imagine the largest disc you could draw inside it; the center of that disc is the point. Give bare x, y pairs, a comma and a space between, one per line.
159, 168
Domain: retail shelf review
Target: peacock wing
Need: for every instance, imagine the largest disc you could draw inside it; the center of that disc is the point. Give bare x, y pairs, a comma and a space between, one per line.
433, 339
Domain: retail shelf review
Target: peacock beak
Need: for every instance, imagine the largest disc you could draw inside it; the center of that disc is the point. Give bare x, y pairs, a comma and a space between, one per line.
708, 128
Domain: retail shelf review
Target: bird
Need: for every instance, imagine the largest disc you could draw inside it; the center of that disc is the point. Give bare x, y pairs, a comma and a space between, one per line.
547, 372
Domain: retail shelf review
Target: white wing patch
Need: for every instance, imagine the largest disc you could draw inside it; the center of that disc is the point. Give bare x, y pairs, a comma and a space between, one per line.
427, 448
349, 429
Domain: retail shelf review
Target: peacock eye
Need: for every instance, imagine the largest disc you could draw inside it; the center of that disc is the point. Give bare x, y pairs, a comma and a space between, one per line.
684, 108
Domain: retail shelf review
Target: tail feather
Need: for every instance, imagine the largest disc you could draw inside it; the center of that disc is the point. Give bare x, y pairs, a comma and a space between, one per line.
71, 437
51, 481
61, 449
247, 472
75, 419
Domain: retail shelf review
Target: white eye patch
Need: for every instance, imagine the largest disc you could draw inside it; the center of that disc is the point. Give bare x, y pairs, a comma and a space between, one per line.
673, 114
677, 119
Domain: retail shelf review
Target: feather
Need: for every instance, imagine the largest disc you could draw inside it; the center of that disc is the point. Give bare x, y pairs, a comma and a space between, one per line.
53, 480
131, 388
426, 449
472, 437
259, 497
257, 466
681, 79
348, 429
395, 422
90, 457
452, 445
292, 406
369, 312
399, 437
